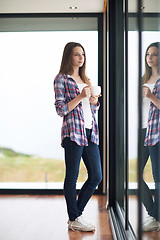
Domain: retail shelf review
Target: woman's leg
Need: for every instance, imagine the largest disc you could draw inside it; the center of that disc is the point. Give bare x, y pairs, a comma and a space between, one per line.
146, 192
155, 160
73, 154
91, 158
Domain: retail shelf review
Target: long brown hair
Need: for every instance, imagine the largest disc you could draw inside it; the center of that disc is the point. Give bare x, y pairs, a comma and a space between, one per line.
148, 70
66, 63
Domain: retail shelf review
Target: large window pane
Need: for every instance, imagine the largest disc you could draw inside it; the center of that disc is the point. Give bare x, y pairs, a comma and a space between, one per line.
148, 36
151, 172
30, 141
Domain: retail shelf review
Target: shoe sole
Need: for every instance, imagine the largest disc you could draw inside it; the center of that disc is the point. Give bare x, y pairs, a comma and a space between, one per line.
80, 229
152, 229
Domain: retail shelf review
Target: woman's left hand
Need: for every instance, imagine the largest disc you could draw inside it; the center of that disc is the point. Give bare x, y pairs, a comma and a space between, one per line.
94, 99
146, 92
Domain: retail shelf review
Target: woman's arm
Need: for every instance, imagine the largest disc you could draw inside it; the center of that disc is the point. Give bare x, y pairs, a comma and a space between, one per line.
85, 93
147, 93
62, 107
60, 101
155, 101
94, 99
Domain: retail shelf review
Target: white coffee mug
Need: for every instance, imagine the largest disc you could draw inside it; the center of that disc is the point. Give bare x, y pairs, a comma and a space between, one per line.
96, 90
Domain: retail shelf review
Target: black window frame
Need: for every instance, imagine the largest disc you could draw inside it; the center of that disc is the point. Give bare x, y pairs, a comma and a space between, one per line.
99, 17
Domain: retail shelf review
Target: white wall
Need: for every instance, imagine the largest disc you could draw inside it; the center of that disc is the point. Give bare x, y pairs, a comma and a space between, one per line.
50, 6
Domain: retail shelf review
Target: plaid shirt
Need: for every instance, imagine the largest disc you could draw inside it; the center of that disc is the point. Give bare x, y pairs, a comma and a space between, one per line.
153, 129
66, 89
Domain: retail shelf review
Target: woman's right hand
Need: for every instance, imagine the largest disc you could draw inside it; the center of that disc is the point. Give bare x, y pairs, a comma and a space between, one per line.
86, 92
74, 102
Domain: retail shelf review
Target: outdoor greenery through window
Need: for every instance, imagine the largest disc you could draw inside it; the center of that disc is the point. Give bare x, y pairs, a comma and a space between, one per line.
30, 144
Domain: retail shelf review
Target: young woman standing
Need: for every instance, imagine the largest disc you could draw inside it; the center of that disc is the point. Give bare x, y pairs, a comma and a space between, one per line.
75, 103
151, 133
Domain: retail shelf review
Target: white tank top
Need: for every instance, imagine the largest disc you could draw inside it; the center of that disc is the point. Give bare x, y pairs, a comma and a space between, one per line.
86, 108
146, 106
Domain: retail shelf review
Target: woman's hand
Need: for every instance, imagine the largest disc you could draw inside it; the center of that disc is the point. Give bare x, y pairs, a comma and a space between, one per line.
146, 92
74, 102
94, 99
86, 92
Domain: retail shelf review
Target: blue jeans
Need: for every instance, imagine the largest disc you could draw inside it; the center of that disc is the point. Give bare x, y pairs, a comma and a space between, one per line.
152, 205
91, 158
155, 160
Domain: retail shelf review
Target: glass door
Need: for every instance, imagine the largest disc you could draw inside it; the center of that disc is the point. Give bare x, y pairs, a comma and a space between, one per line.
150, 61
31, 156
143, 29
134, 163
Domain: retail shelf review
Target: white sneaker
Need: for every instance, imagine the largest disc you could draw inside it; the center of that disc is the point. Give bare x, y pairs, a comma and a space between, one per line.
151, 225
148, 219
80, 225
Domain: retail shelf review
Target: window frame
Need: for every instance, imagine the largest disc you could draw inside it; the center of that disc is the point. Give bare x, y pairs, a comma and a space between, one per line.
99, 17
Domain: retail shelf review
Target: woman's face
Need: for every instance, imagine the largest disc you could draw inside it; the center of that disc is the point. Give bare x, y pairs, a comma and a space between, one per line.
78, 56
152, 57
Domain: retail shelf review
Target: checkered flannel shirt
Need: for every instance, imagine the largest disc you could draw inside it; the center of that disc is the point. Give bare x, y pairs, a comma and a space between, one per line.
153, 128
73, 127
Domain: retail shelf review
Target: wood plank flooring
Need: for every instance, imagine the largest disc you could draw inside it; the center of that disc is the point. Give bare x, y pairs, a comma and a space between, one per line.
133, 218
34, 217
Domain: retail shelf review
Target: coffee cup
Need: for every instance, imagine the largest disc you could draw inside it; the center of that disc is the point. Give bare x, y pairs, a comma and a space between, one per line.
96, 90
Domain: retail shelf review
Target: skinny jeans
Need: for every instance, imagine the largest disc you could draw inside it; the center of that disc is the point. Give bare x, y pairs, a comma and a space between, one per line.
91, 157
151, 204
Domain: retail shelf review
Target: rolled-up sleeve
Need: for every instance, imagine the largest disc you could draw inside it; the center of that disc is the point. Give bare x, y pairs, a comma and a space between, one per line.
158, 89
60, 100
95, 107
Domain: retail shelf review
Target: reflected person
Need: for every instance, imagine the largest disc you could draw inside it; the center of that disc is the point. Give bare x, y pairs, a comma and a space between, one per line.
78, 106
151, 134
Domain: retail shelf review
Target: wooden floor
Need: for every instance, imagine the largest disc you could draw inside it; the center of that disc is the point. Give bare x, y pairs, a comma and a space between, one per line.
28, 217
133, 218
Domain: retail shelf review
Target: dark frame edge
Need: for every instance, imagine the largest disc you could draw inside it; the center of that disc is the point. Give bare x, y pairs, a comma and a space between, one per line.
35, 192
118, 227
100, 82
41, 15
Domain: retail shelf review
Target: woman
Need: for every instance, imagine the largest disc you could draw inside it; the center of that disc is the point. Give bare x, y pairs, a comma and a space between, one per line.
151, 133
75, 103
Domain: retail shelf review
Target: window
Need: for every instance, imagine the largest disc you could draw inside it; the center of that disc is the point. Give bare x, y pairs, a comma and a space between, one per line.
30, 151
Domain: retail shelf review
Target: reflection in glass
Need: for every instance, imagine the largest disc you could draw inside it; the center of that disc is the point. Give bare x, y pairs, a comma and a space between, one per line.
150, 170
148, 177
151, 134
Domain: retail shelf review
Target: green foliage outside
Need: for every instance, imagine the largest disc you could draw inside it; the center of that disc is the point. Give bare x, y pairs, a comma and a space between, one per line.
147, 174
18, 167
